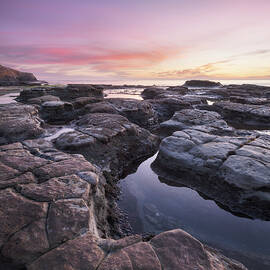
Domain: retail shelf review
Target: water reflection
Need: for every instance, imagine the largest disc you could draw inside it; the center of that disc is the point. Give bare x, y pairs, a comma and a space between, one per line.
154, 205
134, 93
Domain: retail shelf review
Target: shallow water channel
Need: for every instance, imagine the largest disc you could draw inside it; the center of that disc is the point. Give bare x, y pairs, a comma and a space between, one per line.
154, 205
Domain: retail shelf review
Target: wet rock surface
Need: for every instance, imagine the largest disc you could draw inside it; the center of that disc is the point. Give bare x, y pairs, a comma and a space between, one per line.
227, 165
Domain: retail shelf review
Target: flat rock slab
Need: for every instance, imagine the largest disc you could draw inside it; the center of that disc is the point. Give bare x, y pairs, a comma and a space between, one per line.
19, 122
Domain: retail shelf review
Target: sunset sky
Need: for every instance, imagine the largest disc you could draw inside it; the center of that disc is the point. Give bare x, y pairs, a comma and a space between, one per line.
142, 39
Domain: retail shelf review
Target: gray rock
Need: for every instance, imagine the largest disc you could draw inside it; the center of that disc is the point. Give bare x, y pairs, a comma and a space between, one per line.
189, 117
228, 166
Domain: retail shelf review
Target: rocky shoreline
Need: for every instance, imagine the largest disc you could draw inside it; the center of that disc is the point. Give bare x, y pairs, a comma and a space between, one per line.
63, 149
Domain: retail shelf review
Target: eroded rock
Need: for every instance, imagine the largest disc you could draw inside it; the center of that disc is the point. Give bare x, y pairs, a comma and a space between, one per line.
19, 122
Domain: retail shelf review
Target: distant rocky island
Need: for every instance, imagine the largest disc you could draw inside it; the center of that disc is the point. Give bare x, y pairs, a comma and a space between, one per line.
63, 149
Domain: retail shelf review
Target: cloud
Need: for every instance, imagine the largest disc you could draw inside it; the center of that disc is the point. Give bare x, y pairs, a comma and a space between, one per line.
82, 55
214, 70
202, 71
69, 60
256, 52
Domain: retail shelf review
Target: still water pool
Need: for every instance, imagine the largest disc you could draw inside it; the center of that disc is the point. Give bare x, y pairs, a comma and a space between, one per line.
154, 205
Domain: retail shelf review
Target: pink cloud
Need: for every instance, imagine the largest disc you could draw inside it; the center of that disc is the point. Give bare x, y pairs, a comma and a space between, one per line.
100, 58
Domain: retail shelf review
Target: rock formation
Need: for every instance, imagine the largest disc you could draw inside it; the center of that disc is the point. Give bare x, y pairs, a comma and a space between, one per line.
57, 206
9, 76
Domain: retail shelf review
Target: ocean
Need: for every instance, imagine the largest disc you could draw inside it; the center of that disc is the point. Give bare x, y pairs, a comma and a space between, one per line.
156, 82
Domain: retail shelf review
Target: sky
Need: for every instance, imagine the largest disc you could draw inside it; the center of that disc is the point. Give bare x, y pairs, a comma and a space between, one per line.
136, 40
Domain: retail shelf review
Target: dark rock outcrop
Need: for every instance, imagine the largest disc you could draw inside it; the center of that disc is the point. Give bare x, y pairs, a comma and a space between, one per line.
201, 83
67, 93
